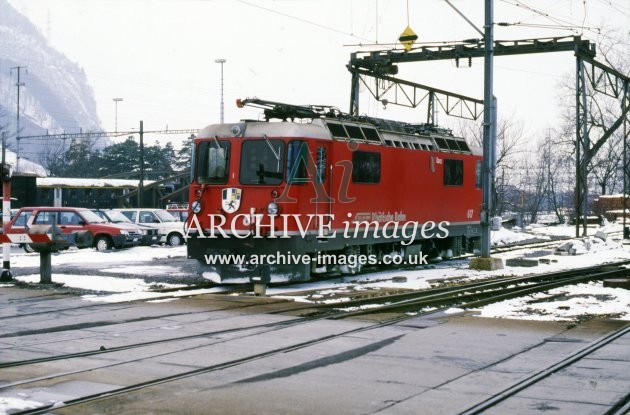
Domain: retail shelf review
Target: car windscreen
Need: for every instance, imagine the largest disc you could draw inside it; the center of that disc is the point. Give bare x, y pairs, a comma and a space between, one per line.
165, 216
117, 217
91, 217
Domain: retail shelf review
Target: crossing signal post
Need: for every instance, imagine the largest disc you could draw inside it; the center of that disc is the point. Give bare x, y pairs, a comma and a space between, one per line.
5, 175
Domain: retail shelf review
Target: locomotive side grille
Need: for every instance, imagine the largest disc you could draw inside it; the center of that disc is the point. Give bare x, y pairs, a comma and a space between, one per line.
400, 135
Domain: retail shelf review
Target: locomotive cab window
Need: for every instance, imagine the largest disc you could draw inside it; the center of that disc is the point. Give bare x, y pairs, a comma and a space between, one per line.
453, 172
262, 162
478, 175
297, 157
213, 162
366, 167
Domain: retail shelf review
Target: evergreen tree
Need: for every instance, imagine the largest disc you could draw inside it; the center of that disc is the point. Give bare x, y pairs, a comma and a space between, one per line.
120, 160
159, 161
76, 162
182, 162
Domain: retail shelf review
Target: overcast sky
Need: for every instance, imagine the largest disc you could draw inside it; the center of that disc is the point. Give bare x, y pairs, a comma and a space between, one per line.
159, 55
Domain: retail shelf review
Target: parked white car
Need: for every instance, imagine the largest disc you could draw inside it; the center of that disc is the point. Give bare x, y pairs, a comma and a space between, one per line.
171, 230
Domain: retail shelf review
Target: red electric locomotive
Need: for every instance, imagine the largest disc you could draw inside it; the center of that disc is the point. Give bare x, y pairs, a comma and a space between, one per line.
310, 190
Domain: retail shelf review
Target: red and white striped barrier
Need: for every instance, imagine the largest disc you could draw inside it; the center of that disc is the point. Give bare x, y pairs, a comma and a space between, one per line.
25, 238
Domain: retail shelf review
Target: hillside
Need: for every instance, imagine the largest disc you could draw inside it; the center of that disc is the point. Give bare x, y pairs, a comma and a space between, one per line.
55, 96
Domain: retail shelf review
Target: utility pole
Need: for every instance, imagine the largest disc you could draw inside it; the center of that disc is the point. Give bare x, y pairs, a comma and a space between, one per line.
18, 84
624, 103
6, 275
486, 213
489, 146
116, 101
141, 181
221, 62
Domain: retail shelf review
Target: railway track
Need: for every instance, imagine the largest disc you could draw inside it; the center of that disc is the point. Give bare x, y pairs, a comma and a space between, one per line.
469, 294
403, 305
242, 332
619, 408
553, 243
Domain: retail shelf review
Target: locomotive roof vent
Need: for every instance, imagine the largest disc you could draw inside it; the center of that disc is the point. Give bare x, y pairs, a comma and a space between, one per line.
353, 131
365, 129
451, 143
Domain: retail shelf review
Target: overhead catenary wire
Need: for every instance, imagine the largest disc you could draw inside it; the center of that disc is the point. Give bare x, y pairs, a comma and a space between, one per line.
617, 7
560, 22
549, 26
301, 19
160, 100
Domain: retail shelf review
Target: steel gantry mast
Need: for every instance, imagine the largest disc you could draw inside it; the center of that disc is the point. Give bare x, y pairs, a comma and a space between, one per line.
601, 79
377, 69
383, 65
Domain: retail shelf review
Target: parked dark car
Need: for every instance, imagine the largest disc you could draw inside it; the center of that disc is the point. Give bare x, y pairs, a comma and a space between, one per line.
150, 235
95, 231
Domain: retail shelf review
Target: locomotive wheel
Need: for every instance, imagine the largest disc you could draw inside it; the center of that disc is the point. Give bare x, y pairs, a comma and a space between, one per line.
352, 251
352, 269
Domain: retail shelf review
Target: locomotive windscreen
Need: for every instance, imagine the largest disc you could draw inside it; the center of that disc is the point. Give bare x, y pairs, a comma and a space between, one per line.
212, 162
262, 162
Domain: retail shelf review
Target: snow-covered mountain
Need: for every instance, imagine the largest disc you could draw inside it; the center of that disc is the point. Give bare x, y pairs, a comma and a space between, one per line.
55, 96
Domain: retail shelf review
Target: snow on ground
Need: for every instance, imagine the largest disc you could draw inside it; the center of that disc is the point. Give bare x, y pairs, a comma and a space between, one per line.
98, 283
91, 256
588, 251
109, 284
151, 269
504, 237
565, 303
147, 295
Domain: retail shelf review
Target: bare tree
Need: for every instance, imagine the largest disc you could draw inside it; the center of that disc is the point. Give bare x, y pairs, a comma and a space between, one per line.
604, 153
607, 165
511, 140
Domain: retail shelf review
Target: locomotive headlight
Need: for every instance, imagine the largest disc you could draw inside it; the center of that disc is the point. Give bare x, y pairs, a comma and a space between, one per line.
195, 207
272, 208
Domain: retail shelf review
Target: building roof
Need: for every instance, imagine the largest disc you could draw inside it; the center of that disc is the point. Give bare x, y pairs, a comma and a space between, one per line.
25, 167
80, 182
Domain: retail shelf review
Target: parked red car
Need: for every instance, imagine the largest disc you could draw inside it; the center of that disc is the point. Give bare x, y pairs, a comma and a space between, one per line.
104, 235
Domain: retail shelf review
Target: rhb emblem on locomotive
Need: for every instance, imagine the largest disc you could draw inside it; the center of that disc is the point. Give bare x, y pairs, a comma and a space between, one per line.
231, 199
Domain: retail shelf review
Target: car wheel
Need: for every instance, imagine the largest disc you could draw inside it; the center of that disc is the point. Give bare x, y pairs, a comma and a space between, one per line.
174, 239
27, 248
103, 243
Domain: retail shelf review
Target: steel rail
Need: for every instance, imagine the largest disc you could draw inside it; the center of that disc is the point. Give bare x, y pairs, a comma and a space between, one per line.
514, 389
489, 292
45, 409
247, 359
